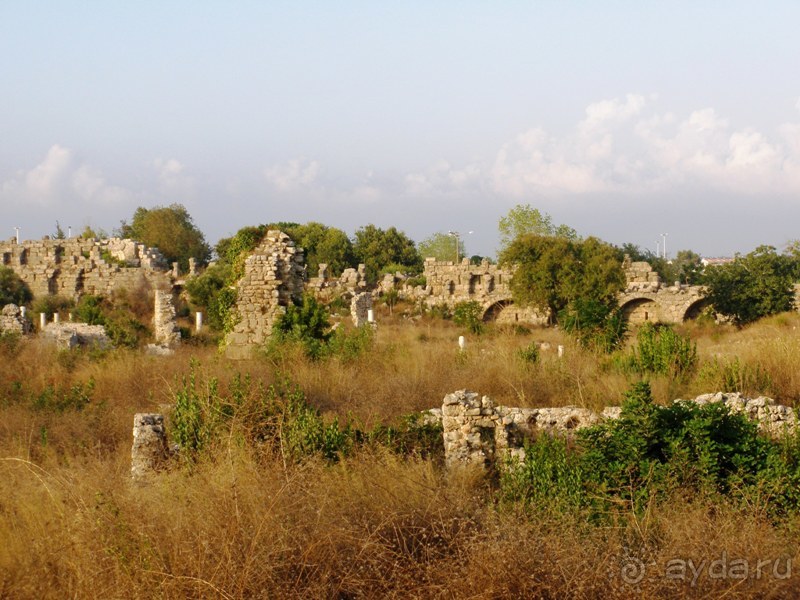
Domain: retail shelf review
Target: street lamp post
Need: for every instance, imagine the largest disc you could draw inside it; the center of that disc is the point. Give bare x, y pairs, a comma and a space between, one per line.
457, 236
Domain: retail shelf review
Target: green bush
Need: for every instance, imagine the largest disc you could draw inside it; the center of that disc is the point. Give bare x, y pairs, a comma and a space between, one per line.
468, 315
651, 453
530, 353
660, 350
12, 289
306, 323
594, 324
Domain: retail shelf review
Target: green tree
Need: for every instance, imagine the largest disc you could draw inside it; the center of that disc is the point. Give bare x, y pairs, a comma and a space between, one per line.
171, 230
377, 248
554, 273
12, 289
752, 286
686, 267
441, 246
59, 233
524, 219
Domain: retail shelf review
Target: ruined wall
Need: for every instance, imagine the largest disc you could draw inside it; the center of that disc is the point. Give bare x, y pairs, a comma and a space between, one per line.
75, 266
476, 432
13, 321
165, 328
273, 277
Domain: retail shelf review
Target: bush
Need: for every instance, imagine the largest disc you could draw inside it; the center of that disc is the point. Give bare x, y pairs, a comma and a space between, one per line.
529, 354
468, 315
306, 323
660, 350
50, 305
594, 324
652, 452
12, 289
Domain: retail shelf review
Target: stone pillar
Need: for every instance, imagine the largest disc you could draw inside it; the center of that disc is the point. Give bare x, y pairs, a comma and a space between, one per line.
198, 321
462, 343
42, 320
360, 306
166, 330
149, 451
56, 318
175, 271
469, 423
192, 267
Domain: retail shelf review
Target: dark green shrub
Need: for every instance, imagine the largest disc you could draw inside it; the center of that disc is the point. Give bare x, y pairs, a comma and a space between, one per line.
12, 289
306, 323
530, 353
594, 324
468, 315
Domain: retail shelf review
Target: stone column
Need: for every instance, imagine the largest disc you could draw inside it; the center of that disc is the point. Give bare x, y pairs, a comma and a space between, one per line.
468, 423
149, 451
360, 306
166, 330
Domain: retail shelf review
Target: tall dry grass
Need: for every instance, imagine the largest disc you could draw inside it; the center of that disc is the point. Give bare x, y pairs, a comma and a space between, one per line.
373, 525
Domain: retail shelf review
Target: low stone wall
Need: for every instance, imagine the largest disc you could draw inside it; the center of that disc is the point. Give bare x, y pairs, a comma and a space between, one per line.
149, 452
476, 431
72, 335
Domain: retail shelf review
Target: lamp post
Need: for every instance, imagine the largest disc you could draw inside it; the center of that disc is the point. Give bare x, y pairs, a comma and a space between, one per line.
457, 235
664, 245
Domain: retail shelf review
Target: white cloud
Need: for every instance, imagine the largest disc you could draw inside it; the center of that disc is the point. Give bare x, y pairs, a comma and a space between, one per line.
622, 147
60, 179
172, 178
293, 174
442, 178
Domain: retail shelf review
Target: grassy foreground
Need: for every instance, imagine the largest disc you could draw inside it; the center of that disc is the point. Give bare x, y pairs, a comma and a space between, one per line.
242, 523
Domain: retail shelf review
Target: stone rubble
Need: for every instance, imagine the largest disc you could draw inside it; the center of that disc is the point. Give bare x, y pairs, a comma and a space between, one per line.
149, 452
166, 330
71, 335
12, 321
359, 308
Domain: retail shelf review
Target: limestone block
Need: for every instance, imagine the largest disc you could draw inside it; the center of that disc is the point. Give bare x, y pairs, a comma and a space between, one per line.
149, 452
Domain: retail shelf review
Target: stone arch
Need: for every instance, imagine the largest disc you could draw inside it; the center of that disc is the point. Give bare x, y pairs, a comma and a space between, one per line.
695, 309
640, 310
494, 310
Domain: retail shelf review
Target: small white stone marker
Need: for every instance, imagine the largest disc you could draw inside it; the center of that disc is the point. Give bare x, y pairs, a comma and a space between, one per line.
42, 320
22, 311
370, 316
69, 315
198, 321
462, 343
56, 318
560, 351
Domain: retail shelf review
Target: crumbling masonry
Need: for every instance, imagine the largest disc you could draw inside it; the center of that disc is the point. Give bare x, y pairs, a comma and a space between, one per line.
273, 277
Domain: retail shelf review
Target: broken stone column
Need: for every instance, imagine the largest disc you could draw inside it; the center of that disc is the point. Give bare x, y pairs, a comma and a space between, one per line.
360, 306
468, 423
192, 267
12, 320
149, 452
166, 330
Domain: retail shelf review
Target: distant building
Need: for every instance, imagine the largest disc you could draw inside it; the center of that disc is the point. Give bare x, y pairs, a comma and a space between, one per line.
716, 261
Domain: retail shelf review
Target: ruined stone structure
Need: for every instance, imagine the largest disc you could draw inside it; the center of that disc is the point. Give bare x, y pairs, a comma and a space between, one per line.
476, 432
75, 266
645, 298
351, 282
273, 277
164, 325
360, 306
448, 283
12, 320
149, 452
72, 335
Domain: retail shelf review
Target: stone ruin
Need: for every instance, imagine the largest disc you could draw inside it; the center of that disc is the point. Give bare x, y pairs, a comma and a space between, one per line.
640, 276
476, 432
72, 335
13, 321
360, 306
76, 266
166, 329
149, 452
273, 278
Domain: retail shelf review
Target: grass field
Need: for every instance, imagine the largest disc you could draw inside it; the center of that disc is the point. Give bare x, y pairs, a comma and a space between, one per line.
242, 523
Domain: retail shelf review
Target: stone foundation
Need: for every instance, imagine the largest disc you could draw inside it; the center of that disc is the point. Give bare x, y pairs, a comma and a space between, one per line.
149, 452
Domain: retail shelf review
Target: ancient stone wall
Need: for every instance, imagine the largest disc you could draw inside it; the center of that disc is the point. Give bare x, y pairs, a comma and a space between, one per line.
476, 432
75, 266
360, 306
72, 335
273, 277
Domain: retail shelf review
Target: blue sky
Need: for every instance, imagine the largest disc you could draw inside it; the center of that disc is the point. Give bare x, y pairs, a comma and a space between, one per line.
622, 119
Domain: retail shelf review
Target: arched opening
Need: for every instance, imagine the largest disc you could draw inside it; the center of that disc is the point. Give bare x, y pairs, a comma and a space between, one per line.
474, 283
640, 310
696, 309
491, 313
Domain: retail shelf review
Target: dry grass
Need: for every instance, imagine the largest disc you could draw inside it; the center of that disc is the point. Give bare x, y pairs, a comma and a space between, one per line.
375, 525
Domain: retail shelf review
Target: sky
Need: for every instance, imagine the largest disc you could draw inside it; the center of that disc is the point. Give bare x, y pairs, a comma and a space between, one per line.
623, 119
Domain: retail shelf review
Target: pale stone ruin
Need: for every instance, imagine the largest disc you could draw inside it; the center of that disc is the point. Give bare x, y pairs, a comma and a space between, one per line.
273, 278
149, 452
360, 306
76, 266
72, 335
12, 320
476, 432
166, 329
